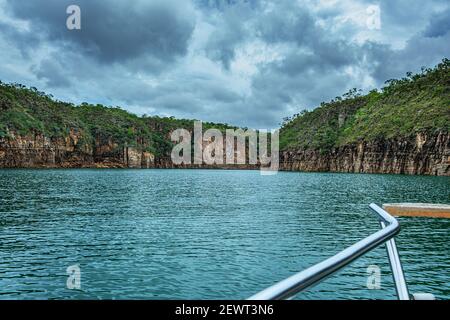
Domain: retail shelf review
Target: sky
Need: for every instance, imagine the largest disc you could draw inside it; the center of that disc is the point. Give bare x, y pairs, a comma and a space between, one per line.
243, 62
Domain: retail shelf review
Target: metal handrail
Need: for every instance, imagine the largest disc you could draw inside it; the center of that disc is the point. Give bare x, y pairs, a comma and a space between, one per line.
307, 278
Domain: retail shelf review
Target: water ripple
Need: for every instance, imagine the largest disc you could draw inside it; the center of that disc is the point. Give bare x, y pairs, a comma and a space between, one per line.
207, 234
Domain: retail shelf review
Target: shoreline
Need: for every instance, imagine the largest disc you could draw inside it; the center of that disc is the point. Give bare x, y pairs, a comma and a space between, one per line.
118, 168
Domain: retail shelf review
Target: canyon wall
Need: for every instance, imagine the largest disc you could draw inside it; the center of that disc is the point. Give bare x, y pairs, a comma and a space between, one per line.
39, 151
424, 155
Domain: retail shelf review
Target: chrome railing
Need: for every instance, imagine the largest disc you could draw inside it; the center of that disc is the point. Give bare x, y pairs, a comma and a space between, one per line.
305, 279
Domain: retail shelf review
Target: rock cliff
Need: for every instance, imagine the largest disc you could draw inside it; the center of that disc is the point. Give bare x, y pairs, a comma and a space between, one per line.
401, 129
424, 155
39, 151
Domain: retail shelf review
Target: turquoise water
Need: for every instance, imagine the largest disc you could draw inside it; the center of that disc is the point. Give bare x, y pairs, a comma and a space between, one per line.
207, 234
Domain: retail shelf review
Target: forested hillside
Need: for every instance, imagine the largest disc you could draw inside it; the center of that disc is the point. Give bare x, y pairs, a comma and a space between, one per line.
402, 128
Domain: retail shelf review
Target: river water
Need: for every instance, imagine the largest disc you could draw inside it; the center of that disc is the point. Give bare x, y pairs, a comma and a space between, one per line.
208, 234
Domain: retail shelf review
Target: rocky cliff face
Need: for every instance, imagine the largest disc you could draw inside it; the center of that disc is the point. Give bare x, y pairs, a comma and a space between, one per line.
39, 151
165, 162
425, 155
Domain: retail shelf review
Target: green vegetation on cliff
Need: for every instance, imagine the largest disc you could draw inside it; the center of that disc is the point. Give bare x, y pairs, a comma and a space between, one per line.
26, 110
417, 103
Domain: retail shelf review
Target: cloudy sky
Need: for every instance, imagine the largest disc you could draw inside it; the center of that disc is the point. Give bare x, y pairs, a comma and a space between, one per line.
245, 62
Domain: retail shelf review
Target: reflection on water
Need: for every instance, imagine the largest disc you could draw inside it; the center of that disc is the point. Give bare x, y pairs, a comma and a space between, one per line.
207, 234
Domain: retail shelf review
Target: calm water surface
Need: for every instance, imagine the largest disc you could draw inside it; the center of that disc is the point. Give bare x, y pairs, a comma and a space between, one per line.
207, 234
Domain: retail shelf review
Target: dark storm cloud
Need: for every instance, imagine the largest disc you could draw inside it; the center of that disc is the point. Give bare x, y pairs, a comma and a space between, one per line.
50, 71
439, 25
231, 30
23, 40
226, 4
114, 31
245, 62
315, 69
291, 24
419, 52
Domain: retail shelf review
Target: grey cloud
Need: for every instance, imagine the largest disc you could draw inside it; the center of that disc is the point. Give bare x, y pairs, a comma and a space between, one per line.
224, 4
405, 18
230, 31
439, 25
298, 88
114, 31
291, 24
22, 39
419, 52
142, 54
51, 72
